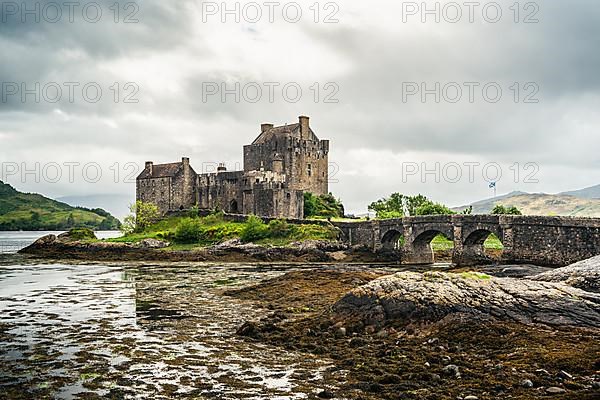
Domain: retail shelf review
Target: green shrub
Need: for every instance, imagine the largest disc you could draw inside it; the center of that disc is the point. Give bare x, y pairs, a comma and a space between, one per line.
194, 212
214, 218
81, 234
189, 230
499, 209
279, 228
254, 229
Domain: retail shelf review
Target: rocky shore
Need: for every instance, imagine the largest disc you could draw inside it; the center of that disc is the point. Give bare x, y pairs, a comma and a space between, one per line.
64, 247
433, 335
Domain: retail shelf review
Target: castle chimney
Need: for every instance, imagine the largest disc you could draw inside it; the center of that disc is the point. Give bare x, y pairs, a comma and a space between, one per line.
149, 166
185, 161
265, 127
221, 168
303, 120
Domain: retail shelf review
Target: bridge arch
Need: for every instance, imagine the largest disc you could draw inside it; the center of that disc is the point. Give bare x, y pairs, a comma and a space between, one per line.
391, 240
474, 244
428, 235
418, 248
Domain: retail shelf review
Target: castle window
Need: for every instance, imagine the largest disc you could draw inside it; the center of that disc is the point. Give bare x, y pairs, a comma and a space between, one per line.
257, 180
309, 169
288, 195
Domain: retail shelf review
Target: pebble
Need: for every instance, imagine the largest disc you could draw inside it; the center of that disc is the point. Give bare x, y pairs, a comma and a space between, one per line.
382, 333
325, 394
596, 385
555, 390
341, 331
526, 383
427, 364
542, 372
471, 398
451, 370
446, 359
565, 375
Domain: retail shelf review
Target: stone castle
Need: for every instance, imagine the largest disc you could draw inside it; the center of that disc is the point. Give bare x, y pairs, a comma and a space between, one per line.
280, 165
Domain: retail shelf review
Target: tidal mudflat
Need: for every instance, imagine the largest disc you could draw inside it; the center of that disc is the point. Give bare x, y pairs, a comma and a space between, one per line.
140, 331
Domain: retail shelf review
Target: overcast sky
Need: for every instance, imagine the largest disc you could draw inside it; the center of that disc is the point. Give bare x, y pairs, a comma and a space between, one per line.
362, 68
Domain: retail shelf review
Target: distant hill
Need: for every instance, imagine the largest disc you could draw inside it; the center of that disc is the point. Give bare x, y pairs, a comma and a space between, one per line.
541, 204
592, 192
30, 211
116, 204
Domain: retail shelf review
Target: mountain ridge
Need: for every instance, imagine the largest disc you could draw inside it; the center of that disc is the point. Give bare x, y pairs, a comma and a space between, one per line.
561, 204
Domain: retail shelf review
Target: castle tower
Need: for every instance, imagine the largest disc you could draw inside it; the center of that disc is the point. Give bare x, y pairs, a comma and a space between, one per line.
294, 150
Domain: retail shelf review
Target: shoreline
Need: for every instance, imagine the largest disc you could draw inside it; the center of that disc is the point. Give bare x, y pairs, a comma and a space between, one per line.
322, 252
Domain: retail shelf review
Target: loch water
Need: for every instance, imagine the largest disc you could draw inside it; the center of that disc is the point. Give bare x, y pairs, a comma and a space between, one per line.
138, 331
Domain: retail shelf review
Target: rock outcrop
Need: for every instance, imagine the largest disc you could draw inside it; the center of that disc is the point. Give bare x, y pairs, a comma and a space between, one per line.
408, 296
51, 247
583, 275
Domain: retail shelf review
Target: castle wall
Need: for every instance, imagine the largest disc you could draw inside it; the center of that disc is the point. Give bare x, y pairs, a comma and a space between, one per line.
274, 202
263, 193
221, 190
157, 191
308, 166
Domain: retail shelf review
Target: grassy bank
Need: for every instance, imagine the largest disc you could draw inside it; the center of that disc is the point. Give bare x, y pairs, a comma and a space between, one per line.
440, 243
192, 232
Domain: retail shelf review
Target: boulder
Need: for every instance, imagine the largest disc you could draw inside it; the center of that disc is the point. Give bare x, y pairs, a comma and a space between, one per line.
44, 241
583, 275
405, 297
152, 244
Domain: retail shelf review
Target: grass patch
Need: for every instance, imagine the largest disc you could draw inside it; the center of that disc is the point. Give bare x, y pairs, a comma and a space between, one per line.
474, 275
188, 233
441, 243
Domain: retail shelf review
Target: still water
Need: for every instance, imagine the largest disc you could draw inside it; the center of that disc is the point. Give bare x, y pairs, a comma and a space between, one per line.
139, 331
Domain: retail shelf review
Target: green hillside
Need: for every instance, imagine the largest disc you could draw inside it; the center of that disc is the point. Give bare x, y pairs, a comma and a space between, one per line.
30, 211
541, 204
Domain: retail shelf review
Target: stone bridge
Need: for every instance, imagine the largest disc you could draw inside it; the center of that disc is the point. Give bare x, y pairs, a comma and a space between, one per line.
553, 241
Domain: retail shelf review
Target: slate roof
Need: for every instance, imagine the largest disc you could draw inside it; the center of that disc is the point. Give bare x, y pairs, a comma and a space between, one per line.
162, 171
279, 131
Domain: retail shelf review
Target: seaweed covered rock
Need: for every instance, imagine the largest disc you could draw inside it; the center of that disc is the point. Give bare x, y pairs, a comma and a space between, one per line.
408, 296
78, 234
583, 275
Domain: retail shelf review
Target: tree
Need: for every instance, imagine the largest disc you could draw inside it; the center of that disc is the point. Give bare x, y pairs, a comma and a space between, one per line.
324, 205
499, 209
35, 220
399, 205
142, 215
431, 208
70, 221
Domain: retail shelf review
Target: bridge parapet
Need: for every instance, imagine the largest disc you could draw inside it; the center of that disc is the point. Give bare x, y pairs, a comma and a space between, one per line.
539, 240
